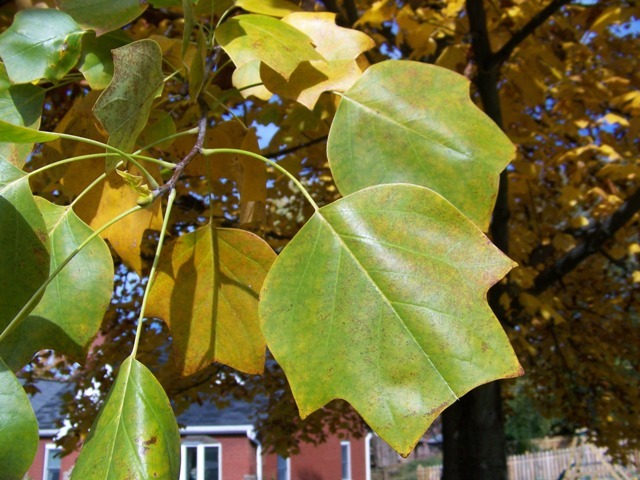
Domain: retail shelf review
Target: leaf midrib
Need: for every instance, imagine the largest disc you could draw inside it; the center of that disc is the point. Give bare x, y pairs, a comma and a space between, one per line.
384, 297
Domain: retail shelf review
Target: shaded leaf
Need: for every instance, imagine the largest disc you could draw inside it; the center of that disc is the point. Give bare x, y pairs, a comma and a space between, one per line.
71, 310
274, 8
380, 300
19, 105
103, 15
18, 427
339, 46
123, 108
135, 434
189, 22
257, 37
107, 200
160, 125
23, 243
249, 74
31, 52
96, 62
198, 64
415, 123
207, 292
249, 175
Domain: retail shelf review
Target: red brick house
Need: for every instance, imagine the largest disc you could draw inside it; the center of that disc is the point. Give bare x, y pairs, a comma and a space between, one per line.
216, 445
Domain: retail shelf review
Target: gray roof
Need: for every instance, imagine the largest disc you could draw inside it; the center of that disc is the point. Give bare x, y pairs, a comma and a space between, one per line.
48, 402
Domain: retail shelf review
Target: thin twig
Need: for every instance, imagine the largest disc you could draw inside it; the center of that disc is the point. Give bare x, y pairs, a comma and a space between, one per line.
287, 151
182, 164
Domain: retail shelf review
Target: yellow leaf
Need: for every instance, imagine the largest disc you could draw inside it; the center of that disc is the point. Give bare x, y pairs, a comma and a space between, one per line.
249, 174
249, 74
579, 222
107, 200
207, 292
612, 118
339, 46
380, 12
454, 57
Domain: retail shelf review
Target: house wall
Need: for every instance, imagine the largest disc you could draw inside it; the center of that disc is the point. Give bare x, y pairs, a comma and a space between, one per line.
321, 462
314, 462
238, 457
36, 472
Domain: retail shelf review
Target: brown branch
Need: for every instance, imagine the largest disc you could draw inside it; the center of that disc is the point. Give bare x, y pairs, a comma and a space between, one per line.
286, 151
182, 164
592, 243
352, 12
502, 55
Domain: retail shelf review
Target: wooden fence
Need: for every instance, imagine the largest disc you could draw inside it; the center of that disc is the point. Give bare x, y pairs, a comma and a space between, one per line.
583, 462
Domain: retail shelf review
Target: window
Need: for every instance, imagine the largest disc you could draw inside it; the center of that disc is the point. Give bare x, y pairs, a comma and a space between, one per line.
200, 462
52, 463
345, 450
283, 468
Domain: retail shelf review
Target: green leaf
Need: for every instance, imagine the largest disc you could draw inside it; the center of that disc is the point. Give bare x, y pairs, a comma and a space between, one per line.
189, 22
96, 63
415, 123
135, 434
380, 300
23, 243
103, 15
274, 8
71, 310
19, 105
18, 134
18, 427
123, 108
41, 43
207, 292
257, 37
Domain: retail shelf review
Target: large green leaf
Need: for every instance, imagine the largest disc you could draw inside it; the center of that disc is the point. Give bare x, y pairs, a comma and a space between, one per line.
207, 292
123, 108
274, 8
19, 105
40, 43
18, 427
96, 62
380, 300
103, 15
19, 134
135, 434
23, 243
71, 310
258, 37
415, 123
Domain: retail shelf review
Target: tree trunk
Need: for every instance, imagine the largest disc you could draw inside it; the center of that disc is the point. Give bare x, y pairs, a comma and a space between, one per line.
473, 428
473, 431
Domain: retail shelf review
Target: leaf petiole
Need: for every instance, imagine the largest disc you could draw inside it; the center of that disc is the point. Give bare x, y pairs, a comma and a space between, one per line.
213, 151
152, 273
128, 156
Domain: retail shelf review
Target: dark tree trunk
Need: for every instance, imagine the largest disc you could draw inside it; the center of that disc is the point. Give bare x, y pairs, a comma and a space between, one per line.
474, 442
473, 428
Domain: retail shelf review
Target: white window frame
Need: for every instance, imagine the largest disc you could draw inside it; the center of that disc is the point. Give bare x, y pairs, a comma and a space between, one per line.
200, 448
45, 469
288, 461
346, 443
